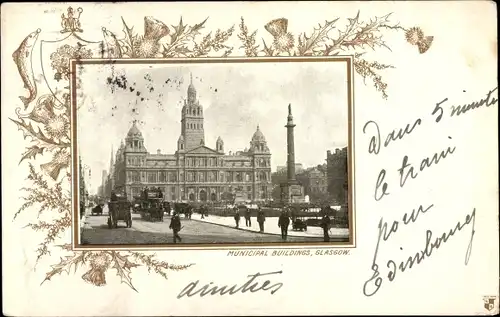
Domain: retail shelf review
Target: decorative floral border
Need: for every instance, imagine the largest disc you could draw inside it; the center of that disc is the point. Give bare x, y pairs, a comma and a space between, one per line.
47, 126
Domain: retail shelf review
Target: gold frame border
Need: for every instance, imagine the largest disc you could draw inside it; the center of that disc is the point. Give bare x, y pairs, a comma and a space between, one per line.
351, 243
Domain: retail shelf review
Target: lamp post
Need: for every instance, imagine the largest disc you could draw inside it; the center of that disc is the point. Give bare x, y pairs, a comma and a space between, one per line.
85, 175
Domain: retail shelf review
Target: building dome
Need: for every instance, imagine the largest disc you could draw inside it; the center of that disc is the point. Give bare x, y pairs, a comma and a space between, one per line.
134, 131
258, 136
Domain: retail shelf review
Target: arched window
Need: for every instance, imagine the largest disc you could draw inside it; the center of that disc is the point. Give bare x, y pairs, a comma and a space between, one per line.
182, 146
262, 176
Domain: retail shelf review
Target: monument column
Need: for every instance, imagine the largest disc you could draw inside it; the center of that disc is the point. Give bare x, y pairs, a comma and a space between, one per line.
291, 190
290, 146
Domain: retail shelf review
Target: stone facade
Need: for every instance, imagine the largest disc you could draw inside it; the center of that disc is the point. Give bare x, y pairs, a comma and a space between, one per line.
337, 174
314, 181
195, 172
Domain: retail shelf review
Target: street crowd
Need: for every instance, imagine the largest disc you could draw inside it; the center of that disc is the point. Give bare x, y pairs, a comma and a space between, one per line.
286, 218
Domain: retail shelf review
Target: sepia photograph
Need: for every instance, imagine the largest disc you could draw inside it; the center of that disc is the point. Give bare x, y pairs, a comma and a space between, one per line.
212, 152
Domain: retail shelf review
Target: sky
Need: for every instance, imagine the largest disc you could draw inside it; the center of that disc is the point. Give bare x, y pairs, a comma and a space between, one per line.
236, 98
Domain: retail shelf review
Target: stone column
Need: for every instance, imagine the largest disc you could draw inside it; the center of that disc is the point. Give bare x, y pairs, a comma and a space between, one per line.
290, 146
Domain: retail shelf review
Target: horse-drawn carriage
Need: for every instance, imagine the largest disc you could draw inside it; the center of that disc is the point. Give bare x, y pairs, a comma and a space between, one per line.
299, 224
96, 210
184, 208
119, 209
151, 207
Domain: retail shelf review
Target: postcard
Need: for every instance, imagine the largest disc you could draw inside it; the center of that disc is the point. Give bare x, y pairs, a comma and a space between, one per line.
250, 158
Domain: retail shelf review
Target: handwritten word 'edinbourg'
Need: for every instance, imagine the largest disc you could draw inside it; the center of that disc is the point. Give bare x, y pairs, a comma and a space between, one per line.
430, 245
210, 289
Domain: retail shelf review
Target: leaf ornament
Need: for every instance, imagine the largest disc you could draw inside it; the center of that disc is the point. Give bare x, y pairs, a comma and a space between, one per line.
31, 153
65, 265
122, 266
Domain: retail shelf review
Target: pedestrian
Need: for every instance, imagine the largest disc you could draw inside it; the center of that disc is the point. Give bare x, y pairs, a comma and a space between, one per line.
248, 219
175, 225
261, 218
283, 223
82, 209
325, 224
294, 215
113, 196
237, 217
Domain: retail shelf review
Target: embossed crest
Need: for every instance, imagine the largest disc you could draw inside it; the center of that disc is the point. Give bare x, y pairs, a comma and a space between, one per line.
55, 59
489, 302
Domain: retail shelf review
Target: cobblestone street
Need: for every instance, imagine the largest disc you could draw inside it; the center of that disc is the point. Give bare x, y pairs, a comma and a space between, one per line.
95, 231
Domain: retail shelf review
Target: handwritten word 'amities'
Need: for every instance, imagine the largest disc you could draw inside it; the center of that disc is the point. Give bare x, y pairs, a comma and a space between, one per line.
249, 286
373, 284
408, 170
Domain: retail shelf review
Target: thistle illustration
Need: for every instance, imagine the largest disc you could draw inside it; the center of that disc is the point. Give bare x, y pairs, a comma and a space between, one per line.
283, 41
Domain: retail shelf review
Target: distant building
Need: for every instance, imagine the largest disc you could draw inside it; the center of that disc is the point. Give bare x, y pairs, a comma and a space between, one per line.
337, 174
83, 194
195, 172
315, 183
299, 168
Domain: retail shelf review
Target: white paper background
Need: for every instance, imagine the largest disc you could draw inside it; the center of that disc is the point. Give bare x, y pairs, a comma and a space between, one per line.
463, 56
